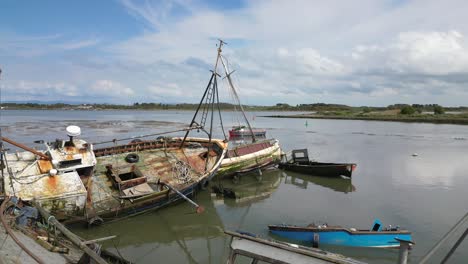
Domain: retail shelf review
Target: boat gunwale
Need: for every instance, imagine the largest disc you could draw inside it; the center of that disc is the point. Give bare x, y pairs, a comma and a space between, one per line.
333, 229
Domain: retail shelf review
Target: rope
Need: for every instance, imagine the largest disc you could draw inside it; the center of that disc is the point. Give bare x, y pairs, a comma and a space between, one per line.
148, 135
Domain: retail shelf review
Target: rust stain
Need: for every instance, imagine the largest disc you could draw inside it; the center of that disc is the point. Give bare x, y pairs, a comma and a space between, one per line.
44, 165
52, 182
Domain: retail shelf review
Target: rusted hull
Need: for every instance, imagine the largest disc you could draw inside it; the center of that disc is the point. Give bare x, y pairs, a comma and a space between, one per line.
250, 157
95, 185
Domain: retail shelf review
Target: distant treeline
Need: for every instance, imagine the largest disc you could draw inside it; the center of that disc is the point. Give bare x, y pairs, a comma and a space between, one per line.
318, 107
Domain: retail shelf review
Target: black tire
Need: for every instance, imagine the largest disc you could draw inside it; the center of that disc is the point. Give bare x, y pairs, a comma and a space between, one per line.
132, 158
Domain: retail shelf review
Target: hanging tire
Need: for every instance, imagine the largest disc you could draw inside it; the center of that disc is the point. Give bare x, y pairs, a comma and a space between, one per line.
132, 158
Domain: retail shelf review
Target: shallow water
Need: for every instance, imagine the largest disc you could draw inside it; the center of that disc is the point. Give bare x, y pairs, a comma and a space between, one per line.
425, 194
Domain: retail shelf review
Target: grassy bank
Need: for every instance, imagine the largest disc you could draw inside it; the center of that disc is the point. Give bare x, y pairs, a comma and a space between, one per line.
459, 119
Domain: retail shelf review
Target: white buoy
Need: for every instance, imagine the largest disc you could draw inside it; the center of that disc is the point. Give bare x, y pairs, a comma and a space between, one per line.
73, 131
53, 172
415, 154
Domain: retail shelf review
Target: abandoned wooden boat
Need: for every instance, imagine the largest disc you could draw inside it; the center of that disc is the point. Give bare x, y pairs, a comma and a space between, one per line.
259, 250
249, 156
300, 163
337, 235
74, 181
242, 131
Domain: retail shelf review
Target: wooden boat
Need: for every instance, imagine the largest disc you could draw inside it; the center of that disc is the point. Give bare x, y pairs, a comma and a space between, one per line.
79, 183
337, 235
257, 250
249, 156
243, 131
300, 163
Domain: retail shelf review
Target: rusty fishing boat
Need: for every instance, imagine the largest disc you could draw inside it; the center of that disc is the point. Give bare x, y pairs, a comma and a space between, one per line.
77, 182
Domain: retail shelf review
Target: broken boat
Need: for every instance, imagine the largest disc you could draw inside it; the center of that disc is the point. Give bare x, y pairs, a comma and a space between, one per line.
259, 250
337, 235
249, 156
300, 163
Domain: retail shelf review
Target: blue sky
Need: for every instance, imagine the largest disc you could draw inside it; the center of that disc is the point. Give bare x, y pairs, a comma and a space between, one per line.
367, 52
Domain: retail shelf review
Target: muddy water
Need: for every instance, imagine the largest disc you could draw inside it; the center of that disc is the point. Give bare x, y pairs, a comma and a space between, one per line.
425, 193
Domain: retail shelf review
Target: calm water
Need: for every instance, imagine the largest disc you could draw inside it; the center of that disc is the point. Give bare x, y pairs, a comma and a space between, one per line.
426, 194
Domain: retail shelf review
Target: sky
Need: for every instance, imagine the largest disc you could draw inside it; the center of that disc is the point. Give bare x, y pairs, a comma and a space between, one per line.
362, 52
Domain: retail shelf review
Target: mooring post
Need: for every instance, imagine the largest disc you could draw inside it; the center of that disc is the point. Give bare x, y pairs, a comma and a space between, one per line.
404, 248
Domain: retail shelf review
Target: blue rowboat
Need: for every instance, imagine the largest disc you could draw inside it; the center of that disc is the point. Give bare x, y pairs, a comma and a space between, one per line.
337, 235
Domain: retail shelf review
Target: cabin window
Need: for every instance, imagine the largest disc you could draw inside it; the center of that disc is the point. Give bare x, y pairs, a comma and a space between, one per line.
68, 163
299, 155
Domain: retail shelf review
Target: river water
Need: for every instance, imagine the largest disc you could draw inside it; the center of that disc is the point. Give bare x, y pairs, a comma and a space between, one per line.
426, 194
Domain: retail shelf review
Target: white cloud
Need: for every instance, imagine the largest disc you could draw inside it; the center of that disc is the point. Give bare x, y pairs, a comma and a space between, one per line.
359, 52
110, 88
79, 44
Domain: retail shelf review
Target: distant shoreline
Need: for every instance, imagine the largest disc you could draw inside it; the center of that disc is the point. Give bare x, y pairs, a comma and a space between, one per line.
405, 119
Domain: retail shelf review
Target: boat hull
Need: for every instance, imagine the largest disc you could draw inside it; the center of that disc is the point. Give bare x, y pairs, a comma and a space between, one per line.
342, 236
320, 168
250, 157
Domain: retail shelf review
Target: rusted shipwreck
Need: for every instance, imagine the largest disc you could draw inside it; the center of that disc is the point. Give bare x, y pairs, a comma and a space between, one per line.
76, 182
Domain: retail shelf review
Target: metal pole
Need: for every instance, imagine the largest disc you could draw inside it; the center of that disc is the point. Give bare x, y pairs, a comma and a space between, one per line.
200, 208
228, 76
198, 108
19, 145
404, 248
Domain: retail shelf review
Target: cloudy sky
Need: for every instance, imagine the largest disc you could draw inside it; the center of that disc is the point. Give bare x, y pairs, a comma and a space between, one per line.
369, 52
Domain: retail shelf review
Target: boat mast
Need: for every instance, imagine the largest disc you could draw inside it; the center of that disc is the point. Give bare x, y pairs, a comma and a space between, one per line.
236, 96
207, 103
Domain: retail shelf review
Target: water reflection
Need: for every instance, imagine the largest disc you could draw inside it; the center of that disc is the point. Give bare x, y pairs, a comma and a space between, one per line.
250, 188
337, 184
193, 238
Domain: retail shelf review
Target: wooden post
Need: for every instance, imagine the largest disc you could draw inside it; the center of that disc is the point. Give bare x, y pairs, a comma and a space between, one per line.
73, 238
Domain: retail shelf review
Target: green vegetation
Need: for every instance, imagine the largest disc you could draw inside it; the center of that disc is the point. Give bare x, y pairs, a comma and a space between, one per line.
439, 110
429, 113
407, 110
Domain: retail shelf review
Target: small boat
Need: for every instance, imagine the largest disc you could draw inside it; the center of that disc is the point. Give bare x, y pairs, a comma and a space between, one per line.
256, 249
243, 131
300, 163
337, 235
